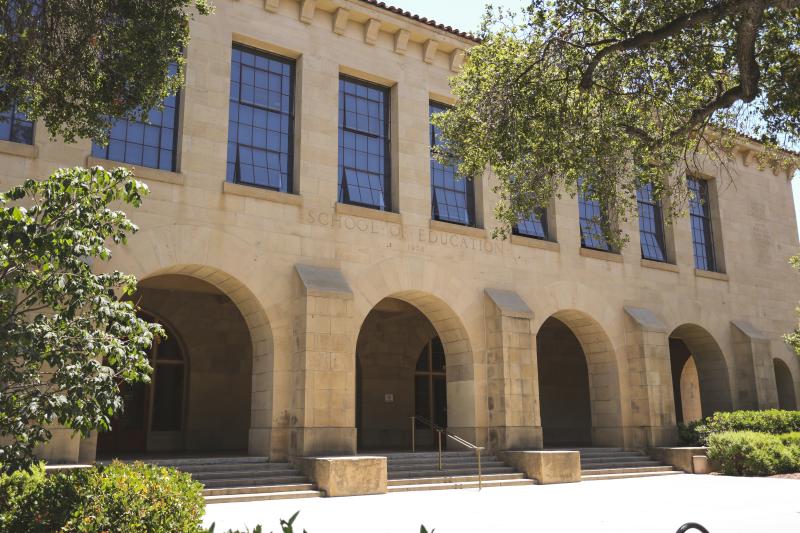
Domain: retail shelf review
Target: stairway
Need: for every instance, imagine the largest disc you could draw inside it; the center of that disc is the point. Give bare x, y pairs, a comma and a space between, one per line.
420, 471
244, 479
616, 463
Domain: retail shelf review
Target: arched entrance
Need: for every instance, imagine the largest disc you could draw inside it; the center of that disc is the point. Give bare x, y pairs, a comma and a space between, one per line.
578, 383
401, 372
700, 382
200, 396
785, 385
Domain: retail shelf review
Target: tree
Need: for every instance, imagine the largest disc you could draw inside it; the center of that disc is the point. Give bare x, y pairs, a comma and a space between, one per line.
78, 65
608, 96
67, 335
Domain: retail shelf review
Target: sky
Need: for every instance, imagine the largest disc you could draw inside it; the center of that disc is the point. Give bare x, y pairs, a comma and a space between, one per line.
466, 16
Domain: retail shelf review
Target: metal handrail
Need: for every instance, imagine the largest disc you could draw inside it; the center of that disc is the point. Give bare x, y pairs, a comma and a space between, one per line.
440, 430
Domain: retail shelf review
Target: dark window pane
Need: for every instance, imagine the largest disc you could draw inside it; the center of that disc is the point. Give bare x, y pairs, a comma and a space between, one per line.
651, 226
363, 144
168, 398
260, 121
592, 219
534, 226
138, 143
15, 126
453, 196
422, 396
700, 216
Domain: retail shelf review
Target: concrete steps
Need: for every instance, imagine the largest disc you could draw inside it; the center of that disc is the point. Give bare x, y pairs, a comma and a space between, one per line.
243, 479
420, 471
615, 463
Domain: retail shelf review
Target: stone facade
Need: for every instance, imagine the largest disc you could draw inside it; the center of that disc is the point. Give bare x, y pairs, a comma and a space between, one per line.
304, 272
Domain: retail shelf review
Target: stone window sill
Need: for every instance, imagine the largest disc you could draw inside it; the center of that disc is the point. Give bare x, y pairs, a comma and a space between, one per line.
30, 151
530, 242
250, 191
658, 265
141, 172
599, 254
721, 276
469, 231
366, 212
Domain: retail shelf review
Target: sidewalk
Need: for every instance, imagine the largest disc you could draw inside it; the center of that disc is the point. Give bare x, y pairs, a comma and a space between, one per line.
721, 504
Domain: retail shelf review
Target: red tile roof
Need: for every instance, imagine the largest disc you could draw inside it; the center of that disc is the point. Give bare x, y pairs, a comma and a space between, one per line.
429, 22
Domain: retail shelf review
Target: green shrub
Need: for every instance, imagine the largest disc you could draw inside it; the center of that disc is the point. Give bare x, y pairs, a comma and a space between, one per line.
747, 453
120, 498
694, 433
772, 421
791, 439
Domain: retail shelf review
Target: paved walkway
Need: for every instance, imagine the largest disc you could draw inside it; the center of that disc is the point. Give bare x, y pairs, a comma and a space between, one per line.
722, 504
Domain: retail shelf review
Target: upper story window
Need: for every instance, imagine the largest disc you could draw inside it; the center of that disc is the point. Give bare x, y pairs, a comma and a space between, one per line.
700, 214
15, 126
149, 144
453, 196
651, 224
534, 226
592, 218
364, 176
261, 120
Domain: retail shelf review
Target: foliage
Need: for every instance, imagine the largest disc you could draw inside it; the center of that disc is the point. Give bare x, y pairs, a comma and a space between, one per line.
793, 338
287, 526
791, 439
66, 335
119, 497
692, 434
772, 421
77, 64
747, 453
605, 96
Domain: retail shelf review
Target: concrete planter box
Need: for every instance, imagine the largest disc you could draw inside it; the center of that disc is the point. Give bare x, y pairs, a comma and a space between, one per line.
346, 476
545, 466
681, 458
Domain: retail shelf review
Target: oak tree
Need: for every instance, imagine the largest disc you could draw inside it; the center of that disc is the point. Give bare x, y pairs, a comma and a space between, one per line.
608, 96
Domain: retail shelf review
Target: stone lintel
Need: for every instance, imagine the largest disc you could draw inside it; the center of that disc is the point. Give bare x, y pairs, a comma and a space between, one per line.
324, 281
510, 303
346, 476
546, 466
646, 319
749, 330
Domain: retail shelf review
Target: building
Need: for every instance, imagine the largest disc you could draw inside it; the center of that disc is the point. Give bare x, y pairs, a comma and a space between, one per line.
323, 280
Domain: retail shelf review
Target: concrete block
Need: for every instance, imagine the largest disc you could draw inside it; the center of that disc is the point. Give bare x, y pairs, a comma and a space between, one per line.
681, 458
546, 466
346, 476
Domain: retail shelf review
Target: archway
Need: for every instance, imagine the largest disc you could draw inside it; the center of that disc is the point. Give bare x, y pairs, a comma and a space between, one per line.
402, 371
207, 357
578, 383
700, 381
785, 385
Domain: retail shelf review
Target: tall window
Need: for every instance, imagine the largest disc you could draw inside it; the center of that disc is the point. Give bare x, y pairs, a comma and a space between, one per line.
261, 120
430, 384
592, 218
651, 225
453, 196
149, 144
15, 126
534, 226
700, 214
364, 177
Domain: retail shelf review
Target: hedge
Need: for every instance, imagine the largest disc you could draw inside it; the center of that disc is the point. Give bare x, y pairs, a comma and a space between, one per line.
748, 453
771, 421
119, 497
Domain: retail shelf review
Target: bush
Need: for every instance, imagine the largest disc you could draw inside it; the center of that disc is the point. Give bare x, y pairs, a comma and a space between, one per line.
120, 498
791, 439
772, 421
694, 433
747, 453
